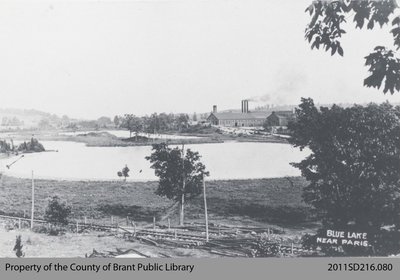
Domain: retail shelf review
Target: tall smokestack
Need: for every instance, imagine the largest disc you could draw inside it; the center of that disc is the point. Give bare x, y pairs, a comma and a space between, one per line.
245, 106
215, 109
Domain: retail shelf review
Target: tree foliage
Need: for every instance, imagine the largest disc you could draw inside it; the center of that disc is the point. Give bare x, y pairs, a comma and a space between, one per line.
325, 31
117, 121
57, 212
5, 147
171, 170
32, 146
383, 65
132, 123
104, 122
26, 147
180, 175
154, 123
353, 169
124, 172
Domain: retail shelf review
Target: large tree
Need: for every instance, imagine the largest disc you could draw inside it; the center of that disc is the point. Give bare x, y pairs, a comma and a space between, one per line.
353, 170
180, 173
104, 121
180, 121
326, 29
133, 124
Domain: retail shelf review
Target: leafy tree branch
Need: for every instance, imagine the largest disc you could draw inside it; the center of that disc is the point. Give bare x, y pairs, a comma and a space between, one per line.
326, 29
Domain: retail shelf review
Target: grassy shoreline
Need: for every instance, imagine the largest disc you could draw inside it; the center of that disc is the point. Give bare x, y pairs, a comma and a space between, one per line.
104, 139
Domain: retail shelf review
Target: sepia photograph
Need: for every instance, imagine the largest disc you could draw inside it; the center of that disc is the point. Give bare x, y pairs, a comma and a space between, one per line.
199, 129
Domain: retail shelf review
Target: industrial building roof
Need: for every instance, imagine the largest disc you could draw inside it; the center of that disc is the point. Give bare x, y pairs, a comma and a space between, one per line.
283, 114
241, 116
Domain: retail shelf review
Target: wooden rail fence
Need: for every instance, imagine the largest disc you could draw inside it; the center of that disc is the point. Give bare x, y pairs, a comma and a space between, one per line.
190, 235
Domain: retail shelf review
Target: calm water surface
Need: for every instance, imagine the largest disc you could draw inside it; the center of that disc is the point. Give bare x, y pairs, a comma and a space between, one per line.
232, 160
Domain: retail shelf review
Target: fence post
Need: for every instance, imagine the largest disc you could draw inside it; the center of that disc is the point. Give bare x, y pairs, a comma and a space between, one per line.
154, 223
134, 229
33, 201
205, 207
19, 223
292, 248
176, 236
169, 224
127, 221
112, 220
85, 220
268, 234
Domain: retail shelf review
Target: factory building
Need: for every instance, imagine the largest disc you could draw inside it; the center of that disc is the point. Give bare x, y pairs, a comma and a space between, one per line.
245, 118
280, 118
238, 119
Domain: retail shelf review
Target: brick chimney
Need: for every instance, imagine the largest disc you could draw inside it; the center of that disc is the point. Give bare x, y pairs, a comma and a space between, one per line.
245, 106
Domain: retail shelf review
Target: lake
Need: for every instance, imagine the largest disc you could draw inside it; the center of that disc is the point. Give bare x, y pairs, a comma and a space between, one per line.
232, 160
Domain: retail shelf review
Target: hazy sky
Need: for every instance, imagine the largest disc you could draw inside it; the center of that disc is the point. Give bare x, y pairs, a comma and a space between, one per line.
93, 58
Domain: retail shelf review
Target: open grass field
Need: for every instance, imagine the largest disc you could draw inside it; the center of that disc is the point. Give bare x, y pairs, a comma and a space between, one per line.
264, 203
244, 202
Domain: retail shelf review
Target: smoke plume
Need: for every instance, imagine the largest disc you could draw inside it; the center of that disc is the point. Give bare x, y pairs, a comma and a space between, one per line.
286, 85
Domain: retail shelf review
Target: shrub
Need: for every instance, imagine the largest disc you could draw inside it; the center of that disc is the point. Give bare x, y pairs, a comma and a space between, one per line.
264, 248
54, 231
18, 247
124, 172
57, 212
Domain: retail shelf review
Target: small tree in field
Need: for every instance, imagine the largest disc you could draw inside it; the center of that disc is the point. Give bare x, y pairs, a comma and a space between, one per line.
124, 172
180, 174
57, 212
353, 170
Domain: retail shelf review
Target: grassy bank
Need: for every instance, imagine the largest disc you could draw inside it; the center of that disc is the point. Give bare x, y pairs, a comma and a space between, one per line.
104, 139
244, 202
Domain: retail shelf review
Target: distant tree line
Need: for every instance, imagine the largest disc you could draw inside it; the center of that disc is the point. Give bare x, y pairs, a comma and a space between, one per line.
4, 146
155, 123
66, 122
31, 146
53, 121
14, 121
27, 146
